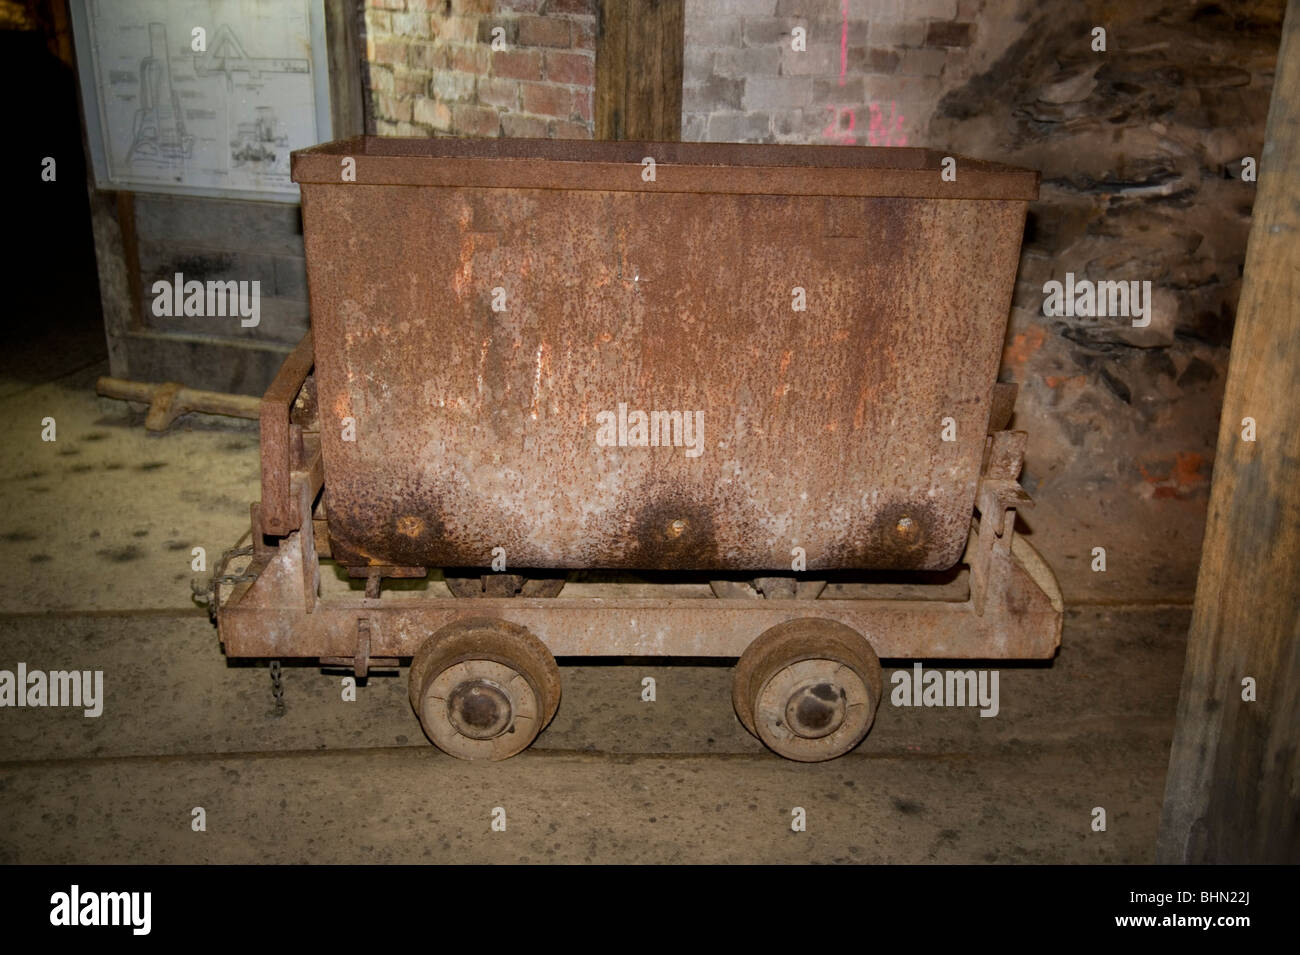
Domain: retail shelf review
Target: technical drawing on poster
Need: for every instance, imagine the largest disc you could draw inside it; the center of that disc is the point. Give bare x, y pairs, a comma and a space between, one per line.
203, 95
158, 132
260, 144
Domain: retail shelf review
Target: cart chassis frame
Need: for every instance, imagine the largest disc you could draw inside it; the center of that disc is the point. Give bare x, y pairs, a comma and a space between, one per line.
1014, 610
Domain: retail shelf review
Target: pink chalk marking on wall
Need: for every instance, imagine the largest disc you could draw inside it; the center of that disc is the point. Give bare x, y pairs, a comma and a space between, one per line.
844, 39
885, 131
882, 130
840, 128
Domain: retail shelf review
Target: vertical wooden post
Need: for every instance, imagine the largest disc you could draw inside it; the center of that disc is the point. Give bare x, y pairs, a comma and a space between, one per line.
1233, 790
346, 53
639, 57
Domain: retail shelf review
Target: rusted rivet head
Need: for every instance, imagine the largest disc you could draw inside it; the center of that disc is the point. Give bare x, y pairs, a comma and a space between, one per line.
479, 709
907, 531
815, 710
676, 528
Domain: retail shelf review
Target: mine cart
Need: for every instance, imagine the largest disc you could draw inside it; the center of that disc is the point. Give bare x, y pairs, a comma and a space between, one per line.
760, 380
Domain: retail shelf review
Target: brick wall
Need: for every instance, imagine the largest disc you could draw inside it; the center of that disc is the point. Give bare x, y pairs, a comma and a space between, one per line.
434, 72
872, 72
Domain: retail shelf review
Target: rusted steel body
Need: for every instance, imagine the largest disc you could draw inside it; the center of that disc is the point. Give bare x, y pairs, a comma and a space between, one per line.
822, 429
282, 442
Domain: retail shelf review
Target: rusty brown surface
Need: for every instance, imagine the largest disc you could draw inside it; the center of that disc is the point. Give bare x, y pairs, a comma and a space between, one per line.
279, 437
1004, 405
400, 572
574, 626
699, 168
1021, 618
822, 429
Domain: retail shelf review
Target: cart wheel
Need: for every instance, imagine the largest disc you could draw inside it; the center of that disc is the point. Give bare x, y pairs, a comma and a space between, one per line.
484, 688
808, 688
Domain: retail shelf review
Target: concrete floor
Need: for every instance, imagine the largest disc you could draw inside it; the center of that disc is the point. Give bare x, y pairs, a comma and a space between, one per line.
96, 533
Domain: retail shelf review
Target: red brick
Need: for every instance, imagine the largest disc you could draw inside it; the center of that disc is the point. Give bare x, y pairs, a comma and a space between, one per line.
509, 31
392, 107
543, 31
475, 121
517, 64
391, 50
387, 4
428, 56
584, 34
523, 127
452, 87
519, 6
432, 113
452, 29
469, 59
493, 91
547, 99
563, 129
381, 78
582, 104
411, 24
576, 69
406, 83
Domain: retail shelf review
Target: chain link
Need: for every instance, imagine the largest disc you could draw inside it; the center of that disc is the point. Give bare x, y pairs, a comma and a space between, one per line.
277, 687
205, 594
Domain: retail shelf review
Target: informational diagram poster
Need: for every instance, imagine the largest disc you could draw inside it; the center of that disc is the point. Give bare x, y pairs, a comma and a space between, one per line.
201, 96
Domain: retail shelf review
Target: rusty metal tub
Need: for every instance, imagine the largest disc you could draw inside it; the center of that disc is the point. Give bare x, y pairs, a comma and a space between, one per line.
819, 328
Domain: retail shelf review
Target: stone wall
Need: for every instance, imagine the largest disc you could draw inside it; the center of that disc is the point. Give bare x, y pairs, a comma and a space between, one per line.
871, 73
1140, 149
434, 71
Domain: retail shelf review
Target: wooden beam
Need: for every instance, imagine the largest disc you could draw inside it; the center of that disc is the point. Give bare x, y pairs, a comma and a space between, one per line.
640, 48
1233, 789
345, 53
131, 255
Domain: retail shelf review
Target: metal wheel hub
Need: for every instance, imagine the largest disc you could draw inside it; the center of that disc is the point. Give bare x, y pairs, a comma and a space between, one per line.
480, 709
816, 709
812, 703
